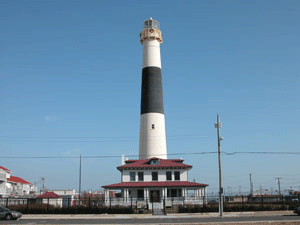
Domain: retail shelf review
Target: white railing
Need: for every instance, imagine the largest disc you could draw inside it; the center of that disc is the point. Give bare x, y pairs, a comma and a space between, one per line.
169, 201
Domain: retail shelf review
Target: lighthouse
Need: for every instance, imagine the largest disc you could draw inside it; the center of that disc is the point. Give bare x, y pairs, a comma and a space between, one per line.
153, 180
152, 118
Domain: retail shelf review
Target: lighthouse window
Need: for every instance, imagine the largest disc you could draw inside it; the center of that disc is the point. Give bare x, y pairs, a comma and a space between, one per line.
153, 126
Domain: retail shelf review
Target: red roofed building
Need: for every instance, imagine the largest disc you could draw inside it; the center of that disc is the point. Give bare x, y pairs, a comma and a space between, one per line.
4, 175
50, 198
3, 168
19, 187
12, 186
14, 179
49, 194
155, 180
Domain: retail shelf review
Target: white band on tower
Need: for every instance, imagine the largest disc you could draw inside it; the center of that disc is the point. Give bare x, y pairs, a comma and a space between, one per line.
151, 54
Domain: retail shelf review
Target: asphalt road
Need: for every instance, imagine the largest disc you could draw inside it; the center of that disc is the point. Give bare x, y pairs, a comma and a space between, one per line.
161, 220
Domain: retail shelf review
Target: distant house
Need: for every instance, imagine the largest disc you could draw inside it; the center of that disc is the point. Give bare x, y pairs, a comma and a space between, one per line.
68, 197
17, 186
264, 198
12, 186
50, 198
4, 175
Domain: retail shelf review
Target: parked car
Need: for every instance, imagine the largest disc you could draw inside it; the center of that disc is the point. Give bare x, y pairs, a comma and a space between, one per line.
8, 214
297, 210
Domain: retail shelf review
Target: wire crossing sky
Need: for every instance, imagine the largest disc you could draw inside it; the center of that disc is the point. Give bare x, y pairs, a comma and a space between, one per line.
70, 85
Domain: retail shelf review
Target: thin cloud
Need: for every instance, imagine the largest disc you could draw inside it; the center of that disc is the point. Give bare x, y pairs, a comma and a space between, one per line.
49, 118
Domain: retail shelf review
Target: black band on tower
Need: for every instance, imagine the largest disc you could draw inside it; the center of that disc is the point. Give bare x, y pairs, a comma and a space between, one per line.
152, 93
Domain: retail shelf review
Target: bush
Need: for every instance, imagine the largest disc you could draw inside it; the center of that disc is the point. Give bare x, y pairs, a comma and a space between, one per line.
235, 207
49, 209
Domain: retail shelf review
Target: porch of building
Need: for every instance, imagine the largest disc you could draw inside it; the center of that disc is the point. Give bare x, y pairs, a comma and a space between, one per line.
157, 197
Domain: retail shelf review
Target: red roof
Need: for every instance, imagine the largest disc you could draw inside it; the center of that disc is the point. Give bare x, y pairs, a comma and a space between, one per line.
3, 168
17, 180
49, 194
146, 163
155, 184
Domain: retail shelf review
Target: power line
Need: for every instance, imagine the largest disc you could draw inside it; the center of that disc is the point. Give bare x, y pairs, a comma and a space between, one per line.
96, 156
27, 139
269, 153
172, 154
92, 137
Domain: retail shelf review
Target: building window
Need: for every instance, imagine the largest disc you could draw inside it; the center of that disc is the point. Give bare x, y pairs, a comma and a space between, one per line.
179, 193
153, 126
154, 162
174, 193
141, 176
169, 175
140, 194
132, 176
177, 175
154, 176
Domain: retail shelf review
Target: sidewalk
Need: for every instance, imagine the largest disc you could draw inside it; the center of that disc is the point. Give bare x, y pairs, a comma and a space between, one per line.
142, 216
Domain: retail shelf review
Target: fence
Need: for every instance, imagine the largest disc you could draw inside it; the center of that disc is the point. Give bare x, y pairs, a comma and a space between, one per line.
209, 203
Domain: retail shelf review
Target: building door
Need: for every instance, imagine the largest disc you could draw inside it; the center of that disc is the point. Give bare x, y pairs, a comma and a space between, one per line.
140, 194
155, 196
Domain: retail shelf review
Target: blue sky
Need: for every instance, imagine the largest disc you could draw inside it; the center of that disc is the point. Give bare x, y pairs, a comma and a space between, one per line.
70, 76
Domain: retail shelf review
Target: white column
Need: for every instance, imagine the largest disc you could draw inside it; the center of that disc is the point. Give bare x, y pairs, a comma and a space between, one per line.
126, 194
146, 193
106, 197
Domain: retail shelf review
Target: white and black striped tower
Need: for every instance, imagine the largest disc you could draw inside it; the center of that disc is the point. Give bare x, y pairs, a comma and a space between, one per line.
152, 123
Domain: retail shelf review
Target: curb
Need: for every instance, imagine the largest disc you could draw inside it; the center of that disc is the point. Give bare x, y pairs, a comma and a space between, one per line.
143, 216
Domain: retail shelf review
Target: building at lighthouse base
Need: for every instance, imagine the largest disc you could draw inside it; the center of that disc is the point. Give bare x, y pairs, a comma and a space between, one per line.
155, 183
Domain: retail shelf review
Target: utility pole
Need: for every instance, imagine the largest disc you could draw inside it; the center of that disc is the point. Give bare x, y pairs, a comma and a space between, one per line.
278, 178
260, 189
251, 186
43, 180
218, 126
79, 178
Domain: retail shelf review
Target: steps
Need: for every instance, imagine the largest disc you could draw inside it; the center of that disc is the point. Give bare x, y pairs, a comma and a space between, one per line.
158, 212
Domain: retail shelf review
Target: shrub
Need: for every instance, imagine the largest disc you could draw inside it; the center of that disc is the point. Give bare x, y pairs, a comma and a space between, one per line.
235, 207
49, 209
